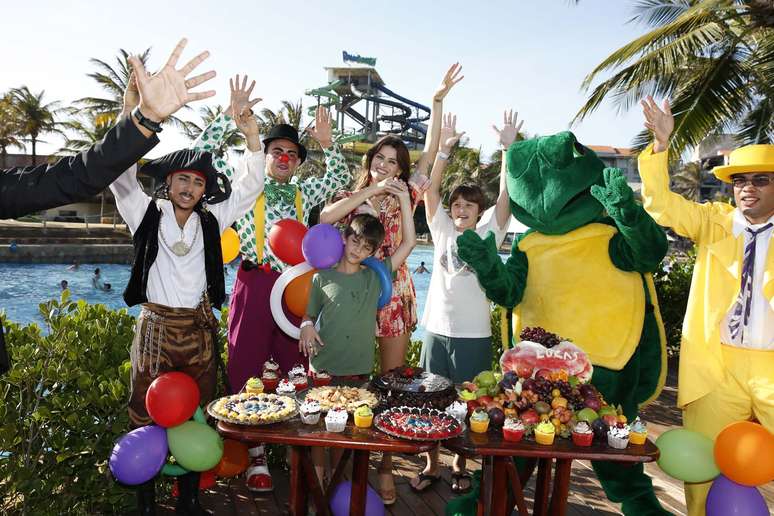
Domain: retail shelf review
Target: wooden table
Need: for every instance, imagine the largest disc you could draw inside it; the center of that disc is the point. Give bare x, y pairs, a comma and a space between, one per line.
359, 442
500, 472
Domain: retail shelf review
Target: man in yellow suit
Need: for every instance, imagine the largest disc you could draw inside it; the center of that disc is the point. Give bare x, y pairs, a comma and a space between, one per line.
727, 348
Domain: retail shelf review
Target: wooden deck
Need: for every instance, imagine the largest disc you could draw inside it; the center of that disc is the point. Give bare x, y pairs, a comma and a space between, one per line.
231, 496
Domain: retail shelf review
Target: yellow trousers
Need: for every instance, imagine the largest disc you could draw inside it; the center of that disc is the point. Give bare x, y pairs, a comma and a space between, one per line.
746, 392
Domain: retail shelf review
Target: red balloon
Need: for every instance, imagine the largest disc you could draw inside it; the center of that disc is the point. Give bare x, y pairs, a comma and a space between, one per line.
285, 238
235, 459
172, 399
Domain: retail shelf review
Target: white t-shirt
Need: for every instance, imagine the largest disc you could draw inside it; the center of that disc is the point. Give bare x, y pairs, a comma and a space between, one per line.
456, 305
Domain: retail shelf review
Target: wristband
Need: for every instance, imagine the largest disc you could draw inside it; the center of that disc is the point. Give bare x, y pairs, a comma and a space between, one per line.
146, 122
442, 155
306, 323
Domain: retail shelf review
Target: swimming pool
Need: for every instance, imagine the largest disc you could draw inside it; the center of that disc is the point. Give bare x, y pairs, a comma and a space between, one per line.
24, 286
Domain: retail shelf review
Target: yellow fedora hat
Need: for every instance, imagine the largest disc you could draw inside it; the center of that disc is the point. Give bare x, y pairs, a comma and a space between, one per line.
750, 158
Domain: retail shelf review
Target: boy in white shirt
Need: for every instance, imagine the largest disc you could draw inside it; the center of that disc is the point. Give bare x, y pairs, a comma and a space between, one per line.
458, 334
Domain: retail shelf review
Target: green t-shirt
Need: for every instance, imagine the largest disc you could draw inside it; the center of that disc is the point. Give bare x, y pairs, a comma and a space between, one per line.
345, 307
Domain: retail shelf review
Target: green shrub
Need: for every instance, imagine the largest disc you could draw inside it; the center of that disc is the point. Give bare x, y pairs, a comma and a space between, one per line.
672, 288
63, 405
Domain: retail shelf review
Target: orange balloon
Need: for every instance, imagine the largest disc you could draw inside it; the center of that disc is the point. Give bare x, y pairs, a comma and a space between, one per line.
297, 293
744, 452
235, 459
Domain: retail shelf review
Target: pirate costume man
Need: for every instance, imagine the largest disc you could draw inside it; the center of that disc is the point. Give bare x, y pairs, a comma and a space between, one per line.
176, 329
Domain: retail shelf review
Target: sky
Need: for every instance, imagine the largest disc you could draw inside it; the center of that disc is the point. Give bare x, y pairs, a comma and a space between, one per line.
531, 56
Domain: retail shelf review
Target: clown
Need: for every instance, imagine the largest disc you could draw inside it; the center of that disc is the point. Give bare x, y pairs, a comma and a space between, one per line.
585, 275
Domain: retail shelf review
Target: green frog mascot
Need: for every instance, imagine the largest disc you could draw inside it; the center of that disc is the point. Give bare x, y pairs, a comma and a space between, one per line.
583, 271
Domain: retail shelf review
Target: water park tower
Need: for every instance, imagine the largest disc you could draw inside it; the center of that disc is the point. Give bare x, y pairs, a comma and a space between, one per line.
365, 109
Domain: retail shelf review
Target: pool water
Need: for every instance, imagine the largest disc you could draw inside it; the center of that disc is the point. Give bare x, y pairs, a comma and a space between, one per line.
25, 286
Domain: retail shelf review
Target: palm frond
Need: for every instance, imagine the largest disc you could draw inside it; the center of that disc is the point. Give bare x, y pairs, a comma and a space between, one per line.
758, 124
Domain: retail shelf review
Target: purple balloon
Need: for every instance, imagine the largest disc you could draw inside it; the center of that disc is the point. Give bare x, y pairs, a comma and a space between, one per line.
340, 500
322, 246
727, 498
139, 455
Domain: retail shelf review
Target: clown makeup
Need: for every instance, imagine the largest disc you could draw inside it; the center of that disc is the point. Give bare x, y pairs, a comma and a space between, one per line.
282, 160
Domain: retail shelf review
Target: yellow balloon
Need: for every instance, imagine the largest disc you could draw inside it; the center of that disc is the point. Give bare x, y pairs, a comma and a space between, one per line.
229, 245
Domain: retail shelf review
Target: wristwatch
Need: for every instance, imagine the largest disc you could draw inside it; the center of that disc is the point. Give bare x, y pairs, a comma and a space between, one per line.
146, 122
442, 155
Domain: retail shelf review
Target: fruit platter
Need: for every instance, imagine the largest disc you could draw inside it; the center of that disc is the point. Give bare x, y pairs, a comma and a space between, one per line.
543, 392
417, 424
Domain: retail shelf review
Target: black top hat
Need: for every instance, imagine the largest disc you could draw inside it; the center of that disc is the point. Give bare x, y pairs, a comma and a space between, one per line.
285, 132
189, 159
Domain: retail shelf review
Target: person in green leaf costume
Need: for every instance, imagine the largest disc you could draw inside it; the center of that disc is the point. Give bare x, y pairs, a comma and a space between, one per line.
583, 270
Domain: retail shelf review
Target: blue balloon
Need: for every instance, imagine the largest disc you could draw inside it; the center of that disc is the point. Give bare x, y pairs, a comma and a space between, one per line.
340, 500
139, 455
384, 279
727, 498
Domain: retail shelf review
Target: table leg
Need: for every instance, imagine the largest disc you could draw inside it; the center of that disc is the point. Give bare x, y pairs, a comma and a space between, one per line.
516, 487
313, 484
338, 473
297, 488
357, 499
499, 486
485, 489
542, 487
561, 489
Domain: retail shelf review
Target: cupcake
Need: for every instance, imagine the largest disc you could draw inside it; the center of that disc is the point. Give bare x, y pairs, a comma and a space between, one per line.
271, 366
321, 378
364, 416
545, 433
286, 388
479, 421
254, 386
513, 429
638, 432
458, 410
270, 375
310, 412
618, 436
336, 419
582, 435
297, 375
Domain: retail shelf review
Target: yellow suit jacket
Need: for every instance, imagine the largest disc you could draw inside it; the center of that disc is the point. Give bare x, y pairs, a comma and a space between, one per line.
716, 276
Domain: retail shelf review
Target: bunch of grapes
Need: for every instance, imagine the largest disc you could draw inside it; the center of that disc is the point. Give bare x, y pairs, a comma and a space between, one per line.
541, 336
543, 388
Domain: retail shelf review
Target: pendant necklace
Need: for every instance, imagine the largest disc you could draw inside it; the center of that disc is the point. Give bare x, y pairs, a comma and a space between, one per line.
179, 248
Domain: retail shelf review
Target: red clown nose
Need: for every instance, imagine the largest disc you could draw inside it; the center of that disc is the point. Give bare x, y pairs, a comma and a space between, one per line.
284, 158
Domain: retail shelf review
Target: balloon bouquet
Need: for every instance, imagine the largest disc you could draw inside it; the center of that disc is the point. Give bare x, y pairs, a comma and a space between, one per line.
307, 250
171, 401
741, 458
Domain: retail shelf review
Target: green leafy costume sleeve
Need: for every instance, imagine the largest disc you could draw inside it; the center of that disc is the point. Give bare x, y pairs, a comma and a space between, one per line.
640, 244
503, 283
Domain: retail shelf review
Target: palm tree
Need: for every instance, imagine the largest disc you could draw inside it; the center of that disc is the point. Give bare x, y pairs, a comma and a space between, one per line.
87, 129
113, 79
35, 116
9, 128
713, 58
687, 179
231, 139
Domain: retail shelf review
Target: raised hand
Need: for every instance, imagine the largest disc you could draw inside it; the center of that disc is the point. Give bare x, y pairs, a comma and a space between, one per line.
322, 131
507, 135
658, 120
451, 78
449, 134
166, 91
131, 95
241, 106
616, 196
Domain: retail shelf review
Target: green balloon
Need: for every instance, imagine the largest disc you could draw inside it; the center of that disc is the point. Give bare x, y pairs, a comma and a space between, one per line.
687, 455
195, 446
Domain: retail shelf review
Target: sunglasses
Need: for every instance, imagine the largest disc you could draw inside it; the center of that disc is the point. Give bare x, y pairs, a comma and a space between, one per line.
757, 181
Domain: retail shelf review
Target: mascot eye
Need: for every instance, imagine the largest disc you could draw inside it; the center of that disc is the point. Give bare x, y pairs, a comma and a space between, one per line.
578, 150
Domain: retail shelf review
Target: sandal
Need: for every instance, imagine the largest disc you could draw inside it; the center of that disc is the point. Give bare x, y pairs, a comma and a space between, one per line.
457, 477
388, 495
424, 477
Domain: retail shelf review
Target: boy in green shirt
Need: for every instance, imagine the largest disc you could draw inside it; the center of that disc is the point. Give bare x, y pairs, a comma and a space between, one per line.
343, 301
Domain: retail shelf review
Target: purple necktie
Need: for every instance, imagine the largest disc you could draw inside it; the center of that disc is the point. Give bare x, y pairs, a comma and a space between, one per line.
741, 313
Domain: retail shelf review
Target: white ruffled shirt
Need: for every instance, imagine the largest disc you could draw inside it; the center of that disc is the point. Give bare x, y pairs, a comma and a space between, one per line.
180, 281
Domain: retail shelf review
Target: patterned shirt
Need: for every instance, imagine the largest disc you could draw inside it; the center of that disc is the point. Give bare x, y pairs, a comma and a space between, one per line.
314, 191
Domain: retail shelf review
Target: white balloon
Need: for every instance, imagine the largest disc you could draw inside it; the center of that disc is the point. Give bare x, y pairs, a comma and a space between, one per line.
275, 299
